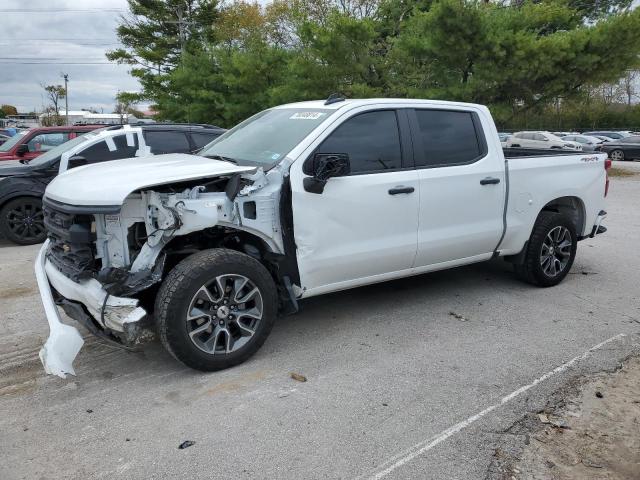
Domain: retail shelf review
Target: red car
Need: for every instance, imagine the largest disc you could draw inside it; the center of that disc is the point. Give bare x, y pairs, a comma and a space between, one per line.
31, 143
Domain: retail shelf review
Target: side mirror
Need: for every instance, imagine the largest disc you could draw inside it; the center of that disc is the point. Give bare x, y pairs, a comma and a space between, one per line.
325, 166
76, 161
22, 149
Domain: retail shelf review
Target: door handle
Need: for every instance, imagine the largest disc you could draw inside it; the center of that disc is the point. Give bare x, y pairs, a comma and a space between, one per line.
489, 181
399, 190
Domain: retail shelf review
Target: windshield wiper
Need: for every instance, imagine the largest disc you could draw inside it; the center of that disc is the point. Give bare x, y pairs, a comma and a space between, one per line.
223, 158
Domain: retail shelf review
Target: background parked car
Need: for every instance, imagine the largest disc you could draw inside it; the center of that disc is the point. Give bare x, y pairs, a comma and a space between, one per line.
540, 140
627, 148
608, 134
28, 144
503, 138
564, 134
21, 189
589, 144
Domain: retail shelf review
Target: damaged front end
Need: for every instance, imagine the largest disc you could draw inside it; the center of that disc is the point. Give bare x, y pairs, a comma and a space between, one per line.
97, 264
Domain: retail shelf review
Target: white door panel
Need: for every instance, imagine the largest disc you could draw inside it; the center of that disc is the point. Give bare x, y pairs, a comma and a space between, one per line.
459, 217
355, 228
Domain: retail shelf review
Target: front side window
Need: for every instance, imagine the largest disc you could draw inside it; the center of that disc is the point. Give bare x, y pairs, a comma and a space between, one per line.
372, 141
448, 138
540, 137
53, 155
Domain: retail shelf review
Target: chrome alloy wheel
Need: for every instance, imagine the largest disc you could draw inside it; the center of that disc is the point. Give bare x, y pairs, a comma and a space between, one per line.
617, 155
224, 314
556, 251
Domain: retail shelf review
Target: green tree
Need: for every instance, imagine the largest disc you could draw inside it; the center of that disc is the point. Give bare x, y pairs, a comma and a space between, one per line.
157, 33
9, 110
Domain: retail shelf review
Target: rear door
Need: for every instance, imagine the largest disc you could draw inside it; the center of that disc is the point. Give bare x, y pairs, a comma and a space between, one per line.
363, 226
462, 186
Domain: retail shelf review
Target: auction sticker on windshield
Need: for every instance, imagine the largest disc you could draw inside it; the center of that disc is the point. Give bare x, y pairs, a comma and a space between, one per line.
307, 115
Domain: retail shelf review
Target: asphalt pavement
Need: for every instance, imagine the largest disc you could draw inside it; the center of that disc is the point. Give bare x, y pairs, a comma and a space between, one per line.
416, 378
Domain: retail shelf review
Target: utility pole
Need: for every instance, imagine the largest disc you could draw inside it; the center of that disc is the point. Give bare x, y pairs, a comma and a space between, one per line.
66, 97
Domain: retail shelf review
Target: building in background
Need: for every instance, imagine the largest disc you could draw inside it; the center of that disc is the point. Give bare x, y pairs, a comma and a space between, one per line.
21, 120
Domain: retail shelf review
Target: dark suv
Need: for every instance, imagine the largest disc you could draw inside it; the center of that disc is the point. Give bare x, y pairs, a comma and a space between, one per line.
22, 184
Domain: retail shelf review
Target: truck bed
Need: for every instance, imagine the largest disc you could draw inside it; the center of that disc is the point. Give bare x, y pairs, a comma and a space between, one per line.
537, 177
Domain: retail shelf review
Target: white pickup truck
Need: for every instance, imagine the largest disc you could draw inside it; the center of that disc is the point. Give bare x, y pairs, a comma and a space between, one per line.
300, 200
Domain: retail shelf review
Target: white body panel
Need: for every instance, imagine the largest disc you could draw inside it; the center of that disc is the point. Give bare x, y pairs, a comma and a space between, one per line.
535, 181
109, 183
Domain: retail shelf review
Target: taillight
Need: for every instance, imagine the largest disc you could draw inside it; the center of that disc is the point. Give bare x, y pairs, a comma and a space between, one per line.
607, 166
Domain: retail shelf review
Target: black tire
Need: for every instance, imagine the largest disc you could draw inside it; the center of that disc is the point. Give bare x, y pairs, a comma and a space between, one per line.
179, 289
532, 270
22, 221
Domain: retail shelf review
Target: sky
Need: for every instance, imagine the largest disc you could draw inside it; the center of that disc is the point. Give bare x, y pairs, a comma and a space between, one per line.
41, 39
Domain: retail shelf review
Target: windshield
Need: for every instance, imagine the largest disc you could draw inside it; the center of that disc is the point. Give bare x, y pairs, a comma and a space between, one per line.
54, 153
267, 137
9, 144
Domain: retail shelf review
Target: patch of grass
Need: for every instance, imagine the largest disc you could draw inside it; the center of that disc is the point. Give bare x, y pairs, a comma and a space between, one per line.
621, 172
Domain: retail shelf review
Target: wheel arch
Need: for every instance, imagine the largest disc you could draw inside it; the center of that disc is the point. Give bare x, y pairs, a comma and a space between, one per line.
571, 206
282, 270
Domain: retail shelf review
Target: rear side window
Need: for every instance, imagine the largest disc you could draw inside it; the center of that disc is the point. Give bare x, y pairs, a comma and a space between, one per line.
372, 141
200, 139
167, 142
100, 151
448, 138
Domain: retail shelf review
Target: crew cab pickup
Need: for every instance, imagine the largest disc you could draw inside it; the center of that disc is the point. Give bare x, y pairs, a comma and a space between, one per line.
300, 200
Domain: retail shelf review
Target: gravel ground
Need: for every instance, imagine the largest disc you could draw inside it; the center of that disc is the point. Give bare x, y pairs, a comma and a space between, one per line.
591, 431
395, 382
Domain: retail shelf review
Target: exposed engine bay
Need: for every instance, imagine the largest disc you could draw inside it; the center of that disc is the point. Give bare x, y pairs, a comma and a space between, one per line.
117, 256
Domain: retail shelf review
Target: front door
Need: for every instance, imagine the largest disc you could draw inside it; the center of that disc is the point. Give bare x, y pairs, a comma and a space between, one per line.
363, 226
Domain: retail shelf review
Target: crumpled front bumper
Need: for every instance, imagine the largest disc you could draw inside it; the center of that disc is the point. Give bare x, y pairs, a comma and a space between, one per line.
64, 342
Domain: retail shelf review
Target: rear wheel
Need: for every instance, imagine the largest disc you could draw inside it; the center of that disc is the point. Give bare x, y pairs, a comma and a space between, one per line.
551, 250
22, 221
617, 155
215, 309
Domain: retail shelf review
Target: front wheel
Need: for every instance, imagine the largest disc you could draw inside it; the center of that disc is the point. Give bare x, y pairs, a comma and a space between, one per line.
617, 155
22, 221
551, 250
215, 309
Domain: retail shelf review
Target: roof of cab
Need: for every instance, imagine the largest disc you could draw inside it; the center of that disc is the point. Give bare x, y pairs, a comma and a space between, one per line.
353, 103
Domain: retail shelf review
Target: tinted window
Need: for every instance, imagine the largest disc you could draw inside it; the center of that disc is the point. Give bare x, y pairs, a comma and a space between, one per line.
167, 142
540, 137
371, 140
100, 152
200, 139
448, 138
